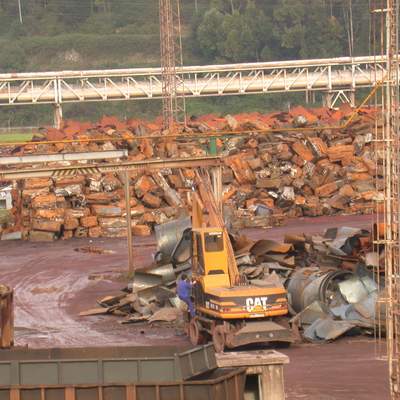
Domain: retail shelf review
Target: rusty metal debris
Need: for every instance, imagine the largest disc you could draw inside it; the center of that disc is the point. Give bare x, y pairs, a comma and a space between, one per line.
328, 304
330, 279
337, 291
6, 317
266, 178
173, 241
94, 250
326, 329
146, 298
168, 235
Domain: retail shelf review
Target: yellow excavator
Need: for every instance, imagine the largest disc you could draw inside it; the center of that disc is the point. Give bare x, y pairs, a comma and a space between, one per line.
229, 309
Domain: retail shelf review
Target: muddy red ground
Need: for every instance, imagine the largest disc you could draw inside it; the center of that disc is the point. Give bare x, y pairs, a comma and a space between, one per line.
52, 286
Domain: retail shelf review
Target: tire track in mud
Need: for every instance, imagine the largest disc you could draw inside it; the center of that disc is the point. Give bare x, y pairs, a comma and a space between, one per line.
45, 314
51, 286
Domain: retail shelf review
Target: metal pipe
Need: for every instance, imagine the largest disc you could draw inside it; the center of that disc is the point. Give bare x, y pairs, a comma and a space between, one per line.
138, 166
39, 158
195, 68
223, 86
210, 80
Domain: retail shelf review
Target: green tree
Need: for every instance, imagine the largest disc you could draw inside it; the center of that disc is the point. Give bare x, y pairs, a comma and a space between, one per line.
72, 12
12, 57
236, 36
229, 6
261, 30
307, 30
210, 34
289, 29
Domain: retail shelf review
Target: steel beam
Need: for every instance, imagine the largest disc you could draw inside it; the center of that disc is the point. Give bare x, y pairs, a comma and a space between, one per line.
137, 166
41, 158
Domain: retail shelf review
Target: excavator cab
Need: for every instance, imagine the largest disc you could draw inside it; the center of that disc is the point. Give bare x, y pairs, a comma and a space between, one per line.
210, 257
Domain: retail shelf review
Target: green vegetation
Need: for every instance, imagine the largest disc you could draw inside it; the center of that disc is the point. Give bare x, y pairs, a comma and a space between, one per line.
5, 216
77, 34
250, 30
15, 137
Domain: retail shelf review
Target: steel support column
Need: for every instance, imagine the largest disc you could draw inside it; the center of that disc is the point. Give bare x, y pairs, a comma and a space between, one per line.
58, 116
126, 179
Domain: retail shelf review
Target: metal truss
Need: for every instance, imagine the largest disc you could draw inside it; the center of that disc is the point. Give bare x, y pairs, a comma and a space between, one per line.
213, 80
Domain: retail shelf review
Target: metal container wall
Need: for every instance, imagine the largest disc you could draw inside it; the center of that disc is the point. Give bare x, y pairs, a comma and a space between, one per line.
221, 384
103, 366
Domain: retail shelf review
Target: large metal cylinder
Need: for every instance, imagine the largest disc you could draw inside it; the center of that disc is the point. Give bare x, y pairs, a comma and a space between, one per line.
307, 285
168, 236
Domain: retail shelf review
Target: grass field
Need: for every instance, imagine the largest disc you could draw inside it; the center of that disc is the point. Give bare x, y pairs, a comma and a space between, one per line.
15, 137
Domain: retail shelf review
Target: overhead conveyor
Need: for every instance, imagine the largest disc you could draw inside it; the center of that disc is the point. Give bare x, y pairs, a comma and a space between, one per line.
327, 75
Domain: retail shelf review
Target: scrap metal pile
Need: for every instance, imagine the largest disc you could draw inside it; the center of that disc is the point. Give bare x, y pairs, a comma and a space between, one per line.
288, 164
333, 280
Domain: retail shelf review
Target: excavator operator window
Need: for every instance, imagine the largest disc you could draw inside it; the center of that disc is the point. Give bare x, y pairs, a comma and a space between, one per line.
214, 241
200, 255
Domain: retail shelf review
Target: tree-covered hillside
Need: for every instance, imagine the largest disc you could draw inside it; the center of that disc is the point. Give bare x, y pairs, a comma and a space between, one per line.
39, 35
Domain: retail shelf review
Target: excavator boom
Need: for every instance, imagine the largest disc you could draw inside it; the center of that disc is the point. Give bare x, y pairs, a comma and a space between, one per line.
204, 203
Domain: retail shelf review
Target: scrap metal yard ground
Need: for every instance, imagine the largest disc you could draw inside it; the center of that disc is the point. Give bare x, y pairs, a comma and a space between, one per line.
52, 285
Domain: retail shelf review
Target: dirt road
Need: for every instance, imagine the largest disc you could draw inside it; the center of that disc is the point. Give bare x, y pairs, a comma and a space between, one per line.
52, 286
347, 369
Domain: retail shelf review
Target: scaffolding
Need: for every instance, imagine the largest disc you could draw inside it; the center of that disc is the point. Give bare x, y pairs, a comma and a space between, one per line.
385, 16
173, 100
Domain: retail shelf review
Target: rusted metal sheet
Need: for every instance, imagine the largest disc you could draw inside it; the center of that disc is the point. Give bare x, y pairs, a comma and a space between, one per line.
168, 236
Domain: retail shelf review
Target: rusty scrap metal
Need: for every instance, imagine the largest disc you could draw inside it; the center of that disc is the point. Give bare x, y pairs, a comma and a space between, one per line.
6, 317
